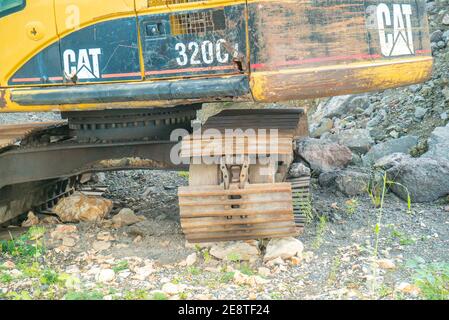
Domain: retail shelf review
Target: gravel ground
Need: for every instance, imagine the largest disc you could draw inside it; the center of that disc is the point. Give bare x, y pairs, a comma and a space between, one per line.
148, 258
11, 118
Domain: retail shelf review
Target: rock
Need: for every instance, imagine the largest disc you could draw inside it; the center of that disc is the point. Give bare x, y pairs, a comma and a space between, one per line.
105, 275
446, 35
438, 143
401, 145
126, 217
386, 264
445, 93
426, 179
264, 272
138, 239
68, 242
143, 272
31, 220
358, 140
191, 259
327, 179
9, 265
352, 182
298, 170
420, 112
172, 289
276, 262
235, 250
62, 230
391, 160
243, 279
408, 288
325, 125
79, 207
104, 236
436, 36
50, 221
339, 106
445, 19
295, 261
101, 245
446, 208
283, 248
323, 156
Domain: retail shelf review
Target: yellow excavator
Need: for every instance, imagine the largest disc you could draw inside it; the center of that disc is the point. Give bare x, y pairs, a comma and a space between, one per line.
129, 76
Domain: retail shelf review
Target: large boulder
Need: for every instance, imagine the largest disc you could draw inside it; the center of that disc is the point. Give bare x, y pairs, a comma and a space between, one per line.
438, 143
322, 155
358, 140
79, 207
400, 145
426, 179
352, 182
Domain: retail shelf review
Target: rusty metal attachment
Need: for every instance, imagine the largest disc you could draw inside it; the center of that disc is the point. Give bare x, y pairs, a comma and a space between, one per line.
302, 205
243, 194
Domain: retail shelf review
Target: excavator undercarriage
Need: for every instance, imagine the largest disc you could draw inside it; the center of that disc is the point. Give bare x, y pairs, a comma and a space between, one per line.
238, 164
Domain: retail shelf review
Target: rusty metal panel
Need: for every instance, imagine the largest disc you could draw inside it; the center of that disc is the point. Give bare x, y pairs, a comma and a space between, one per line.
298, 33
315, 48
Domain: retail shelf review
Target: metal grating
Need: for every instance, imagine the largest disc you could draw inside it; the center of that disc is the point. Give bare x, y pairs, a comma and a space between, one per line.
197, 22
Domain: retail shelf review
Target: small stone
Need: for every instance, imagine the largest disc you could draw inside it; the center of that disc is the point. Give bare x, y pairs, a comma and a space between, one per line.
105, 275
445, 19
276, 262
191, 259
31, 220
50, 221
62, 230
105, 236
386, 264
172, 289
295, 261
68, 242
126, 217
101, 245
409, 289
284, 248
138, 239
446, 208
420, 112
9, 265
143, 272
264, 272
298, 170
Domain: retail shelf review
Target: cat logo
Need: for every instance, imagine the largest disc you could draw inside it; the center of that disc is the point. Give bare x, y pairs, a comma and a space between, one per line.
395, 29
85, 65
